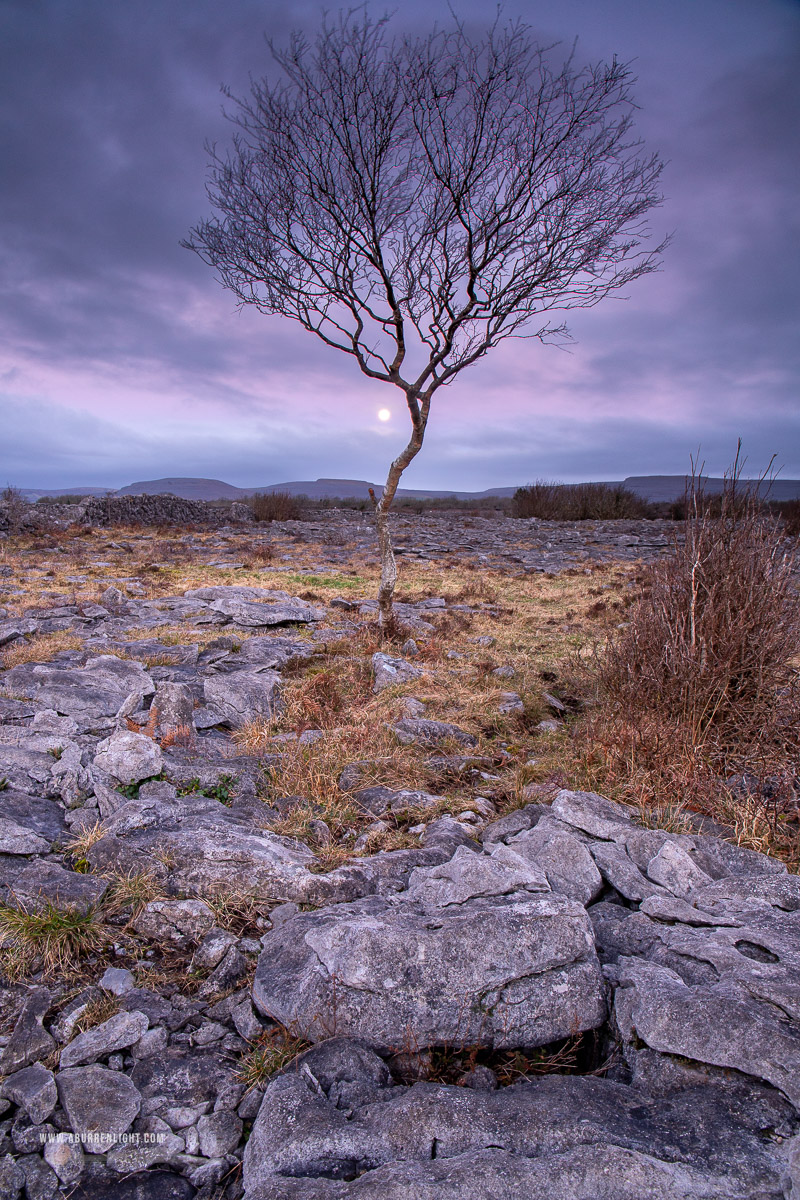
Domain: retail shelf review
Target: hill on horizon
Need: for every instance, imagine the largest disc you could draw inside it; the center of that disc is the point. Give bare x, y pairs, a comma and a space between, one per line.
653, 488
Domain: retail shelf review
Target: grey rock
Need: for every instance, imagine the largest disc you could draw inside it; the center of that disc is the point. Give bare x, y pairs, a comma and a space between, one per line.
100, 1104
779, 891
172, 707
29, 1039
505, 828
146, 1185
721, 1024
118, 1032
243, 696
219, 1134
622, 873
34, 813
423, 732
182, 1079
154, 1041
566, 863
592, 813
209, 845
212, 949
12, 1179
97, 689
17, 839
163, 1146
387, 972
227, 973
66, 1160
33, 1089
619, 931
573, 1138
41, 1181
468, 875
117, 980
129, 757
41, 882
674, 869
275, 652
246, 1023
378, 800
669, 908
69, 1016
180, 922
389, 672
261, 616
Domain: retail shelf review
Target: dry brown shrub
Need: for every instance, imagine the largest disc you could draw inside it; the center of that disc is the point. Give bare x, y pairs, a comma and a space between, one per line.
701, 682
276, 506
184, 735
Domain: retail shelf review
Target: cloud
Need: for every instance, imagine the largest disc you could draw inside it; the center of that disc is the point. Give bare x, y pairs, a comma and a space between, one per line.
129, 358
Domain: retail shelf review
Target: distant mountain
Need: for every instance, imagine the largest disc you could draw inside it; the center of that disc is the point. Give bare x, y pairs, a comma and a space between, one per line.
187, 488
317, 489
657, 488
36, 493
660, 488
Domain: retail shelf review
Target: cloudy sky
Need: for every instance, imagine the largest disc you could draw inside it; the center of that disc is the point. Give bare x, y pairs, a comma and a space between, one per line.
122, 358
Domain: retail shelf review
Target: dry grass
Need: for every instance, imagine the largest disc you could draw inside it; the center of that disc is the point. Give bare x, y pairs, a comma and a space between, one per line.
536, 622
40, 648
98, 1011
273, 1052
77, 847
49, 939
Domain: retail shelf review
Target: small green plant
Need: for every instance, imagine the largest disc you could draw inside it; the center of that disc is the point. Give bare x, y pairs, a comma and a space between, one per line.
273, 1051
4, 784
328, 581
56, 752
131, 790
222, 790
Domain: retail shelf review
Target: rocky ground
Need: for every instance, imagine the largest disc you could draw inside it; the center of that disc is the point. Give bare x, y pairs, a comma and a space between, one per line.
288, 914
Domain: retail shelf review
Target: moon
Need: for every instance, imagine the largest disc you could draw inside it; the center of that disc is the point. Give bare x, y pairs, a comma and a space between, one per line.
383, 414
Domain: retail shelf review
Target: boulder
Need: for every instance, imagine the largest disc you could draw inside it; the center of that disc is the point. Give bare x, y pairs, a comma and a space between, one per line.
423, 732
129, 757
34, 1090
117, 1033
262, 616
172, 708
29, 1039
388, 671
566, 863
243, 696
95, 690
100, 1105
400, 972
333, 1126
180, 922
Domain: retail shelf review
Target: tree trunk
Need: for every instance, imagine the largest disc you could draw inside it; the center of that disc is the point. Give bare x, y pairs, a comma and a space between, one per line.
388, 564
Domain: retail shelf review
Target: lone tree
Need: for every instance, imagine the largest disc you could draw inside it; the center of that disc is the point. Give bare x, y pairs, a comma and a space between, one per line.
415, 202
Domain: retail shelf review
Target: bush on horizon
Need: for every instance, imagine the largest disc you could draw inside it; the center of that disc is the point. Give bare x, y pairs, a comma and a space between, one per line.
550, 501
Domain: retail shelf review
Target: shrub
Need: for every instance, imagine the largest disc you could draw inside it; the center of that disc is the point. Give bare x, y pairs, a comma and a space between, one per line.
578, 502
276, 506
700, 682
789, 512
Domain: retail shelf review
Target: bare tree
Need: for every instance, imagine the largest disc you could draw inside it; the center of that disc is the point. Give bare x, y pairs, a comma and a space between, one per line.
415, 202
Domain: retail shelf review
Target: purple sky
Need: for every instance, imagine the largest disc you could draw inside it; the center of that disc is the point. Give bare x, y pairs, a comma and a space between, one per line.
122, 358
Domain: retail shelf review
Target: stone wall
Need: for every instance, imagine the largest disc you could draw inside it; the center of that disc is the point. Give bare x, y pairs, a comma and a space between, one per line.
123, 510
